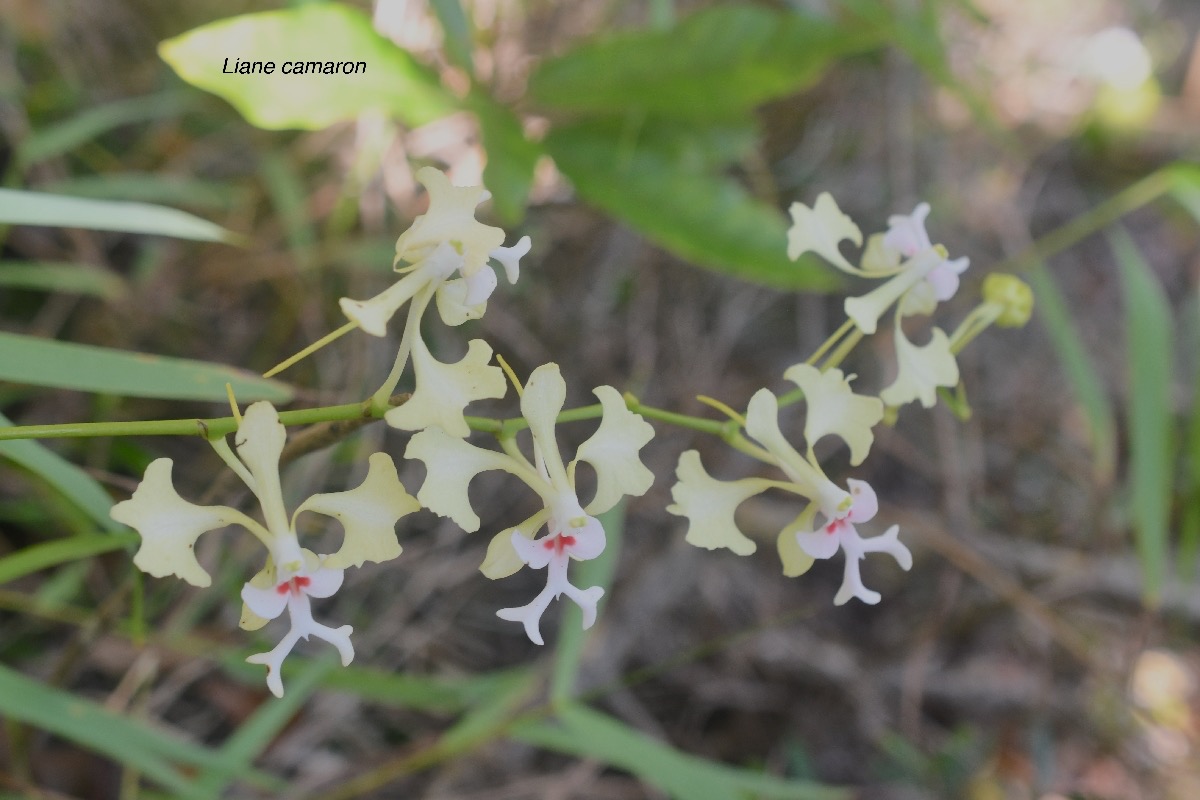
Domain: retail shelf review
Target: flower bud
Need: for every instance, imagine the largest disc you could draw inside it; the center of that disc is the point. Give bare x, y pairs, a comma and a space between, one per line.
1012, 295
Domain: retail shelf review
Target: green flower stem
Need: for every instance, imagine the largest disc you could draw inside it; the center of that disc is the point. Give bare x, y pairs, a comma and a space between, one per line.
1129, 199
830, 342
975, 323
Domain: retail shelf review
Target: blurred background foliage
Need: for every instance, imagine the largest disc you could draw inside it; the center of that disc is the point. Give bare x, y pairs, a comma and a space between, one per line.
1044, 645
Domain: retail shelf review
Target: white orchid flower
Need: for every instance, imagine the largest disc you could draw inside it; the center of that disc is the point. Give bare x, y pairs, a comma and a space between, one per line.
710, 504
169, 527
573, 532
445, 240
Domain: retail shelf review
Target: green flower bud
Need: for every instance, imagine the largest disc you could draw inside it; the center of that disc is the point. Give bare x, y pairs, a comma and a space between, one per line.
1012, 295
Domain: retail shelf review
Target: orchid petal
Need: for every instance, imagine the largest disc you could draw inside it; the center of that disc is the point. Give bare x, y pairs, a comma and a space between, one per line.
819, 544
865, 503
589, 539
533, 553
452, 303
906, 233
324, 581
450, 218
613, 452
866, 309
879, 260
762, 423
263, 580
889, 542
480, 286
922, 369
502, 558
795, 561
944, 277
530, 615
263, 602
260, 439
372, 316
821, 229
510, 257
834, 408
450, 465
169, 525
709, 505
368, 513
444, 390
543, 399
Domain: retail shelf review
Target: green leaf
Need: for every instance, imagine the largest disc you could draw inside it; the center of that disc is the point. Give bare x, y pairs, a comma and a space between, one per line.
717, 63
60, 551
511, 157
151, 187
148, 749
456, 32
1085, 381
19, 207
1185, 186
67, 365
69, 278
323, 33
700, 216
64, 136
568, 653
1148, 338
585, 733
70, 481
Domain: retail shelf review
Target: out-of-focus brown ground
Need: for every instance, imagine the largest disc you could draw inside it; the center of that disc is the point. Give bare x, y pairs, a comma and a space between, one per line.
1000, 666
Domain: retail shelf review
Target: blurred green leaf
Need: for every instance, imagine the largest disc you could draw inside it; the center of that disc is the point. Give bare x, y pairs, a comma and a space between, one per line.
69, 278
67, 365
599, 571
584, 733
1085, 381
1148, 338
456, 32
150, 187
50, 554
19, 207
1185, 187
394, 82
62, 137
291, 202
73, 483
511, 157
701, 216
717, 63
149, 749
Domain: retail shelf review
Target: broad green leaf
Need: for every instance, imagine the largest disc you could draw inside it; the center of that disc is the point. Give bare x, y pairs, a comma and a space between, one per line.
511, 157
158, 754
66, 478
64, 136
50, 554
69, 278
700, 216
1085, 381
67, 365
1148, 351
152, 187
599, 571
456, 32
584, 733
322, 34
717, 63
19, 207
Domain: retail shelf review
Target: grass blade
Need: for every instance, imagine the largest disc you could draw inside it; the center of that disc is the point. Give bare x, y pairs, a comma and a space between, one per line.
50, 554
68, 365
1149, 353
70, 278
18, 207
1052, 310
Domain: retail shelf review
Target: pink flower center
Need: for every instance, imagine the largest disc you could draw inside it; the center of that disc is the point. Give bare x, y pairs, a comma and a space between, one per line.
294, 585
558, 543
833, 526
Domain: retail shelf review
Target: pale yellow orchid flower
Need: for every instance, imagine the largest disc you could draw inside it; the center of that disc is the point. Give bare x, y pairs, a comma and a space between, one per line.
573, 530
169, 527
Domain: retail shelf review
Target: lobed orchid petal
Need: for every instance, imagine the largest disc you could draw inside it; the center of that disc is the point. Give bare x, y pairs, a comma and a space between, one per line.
169, 525
879, 260
502, 559
510, 257
834, 408
795, 560
582, 535
372, 316
368, 513
480, 286
821, 229
819, 544
263, 579
762, 423
452, 303
865, 505
263, 602
906, 233
541, 402
922, 369
444, 390
709, 505
530, 615
450, 465
259, 440
613, 452
943, 278
450, 218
